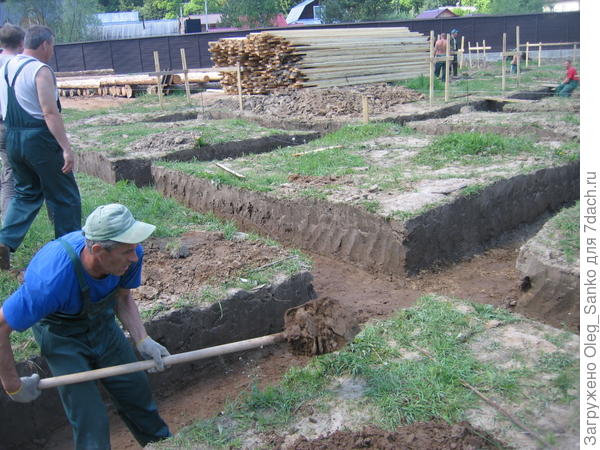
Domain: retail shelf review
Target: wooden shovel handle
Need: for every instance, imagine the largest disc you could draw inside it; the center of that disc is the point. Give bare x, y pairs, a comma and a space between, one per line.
179, 358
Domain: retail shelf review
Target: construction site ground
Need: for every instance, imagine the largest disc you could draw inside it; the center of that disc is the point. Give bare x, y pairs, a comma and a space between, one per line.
488, 277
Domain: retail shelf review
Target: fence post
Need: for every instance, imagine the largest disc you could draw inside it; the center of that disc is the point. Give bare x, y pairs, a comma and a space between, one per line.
503, 63
185, 75
431, 74
158, 78
518, 57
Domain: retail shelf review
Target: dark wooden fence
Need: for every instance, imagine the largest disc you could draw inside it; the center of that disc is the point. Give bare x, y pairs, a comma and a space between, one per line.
136, 55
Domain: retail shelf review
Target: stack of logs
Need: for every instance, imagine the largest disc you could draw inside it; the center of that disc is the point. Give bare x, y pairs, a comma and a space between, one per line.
124, 85
321, 58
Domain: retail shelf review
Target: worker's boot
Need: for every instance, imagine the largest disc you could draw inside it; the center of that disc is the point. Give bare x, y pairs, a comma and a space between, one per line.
4, 257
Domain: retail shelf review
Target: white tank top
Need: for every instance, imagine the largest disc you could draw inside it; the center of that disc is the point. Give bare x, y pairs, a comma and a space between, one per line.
25, 89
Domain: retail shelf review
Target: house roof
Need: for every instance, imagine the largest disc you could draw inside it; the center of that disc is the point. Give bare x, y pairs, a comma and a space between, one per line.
297, 11
434, 13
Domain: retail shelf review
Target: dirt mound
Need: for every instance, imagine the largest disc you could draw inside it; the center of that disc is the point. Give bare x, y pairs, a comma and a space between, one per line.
417, 436
319, 326
166, 142
333, 102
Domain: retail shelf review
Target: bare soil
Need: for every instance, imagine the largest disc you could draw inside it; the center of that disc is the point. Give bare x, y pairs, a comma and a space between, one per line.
417, 436
490, 278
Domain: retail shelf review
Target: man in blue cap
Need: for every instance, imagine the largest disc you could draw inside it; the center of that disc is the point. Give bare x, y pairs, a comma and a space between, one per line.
454, 49
73, 289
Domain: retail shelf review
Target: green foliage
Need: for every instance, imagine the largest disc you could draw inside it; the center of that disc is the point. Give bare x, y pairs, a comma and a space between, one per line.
515, 6
250, 13
356, 10
566, 227
199, 6
71, 20
161, 9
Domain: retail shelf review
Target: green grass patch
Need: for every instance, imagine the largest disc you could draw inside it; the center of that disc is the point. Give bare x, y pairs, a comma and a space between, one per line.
470, 148
565, 227
397, 390
266, 171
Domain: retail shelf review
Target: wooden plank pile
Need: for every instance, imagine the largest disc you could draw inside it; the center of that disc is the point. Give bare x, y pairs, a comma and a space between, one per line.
320, 58
127, 85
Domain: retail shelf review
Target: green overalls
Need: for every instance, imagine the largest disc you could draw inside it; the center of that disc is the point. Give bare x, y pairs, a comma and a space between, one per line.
36, 159
92, 340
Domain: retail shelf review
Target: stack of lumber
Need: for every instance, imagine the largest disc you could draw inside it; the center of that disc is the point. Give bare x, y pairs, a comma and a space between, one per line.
127, 85
321, 58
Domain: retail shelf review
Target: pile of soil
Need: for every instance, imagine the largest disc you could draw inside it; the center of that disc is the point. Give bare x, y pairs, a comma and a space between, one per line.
319, 326
417, 436
166, 142
331, 103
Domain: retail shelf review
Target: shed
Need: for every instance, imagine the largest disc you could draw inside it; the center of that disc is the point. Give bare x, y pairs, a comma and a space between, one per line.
438, 13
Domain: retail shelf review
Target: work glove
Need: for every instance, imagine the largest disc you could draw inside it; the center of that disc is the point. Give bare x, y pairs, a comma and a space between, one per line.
28, 391
150, 349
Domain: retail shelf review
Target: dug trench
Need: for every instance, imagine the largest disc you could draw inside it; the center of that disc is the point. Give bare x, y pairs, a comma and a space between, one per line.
370, 265
485, 272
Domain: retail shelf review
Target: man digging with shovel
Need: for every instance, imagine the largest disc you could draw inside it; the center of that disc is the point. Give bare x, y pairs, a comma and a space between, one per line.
74, 286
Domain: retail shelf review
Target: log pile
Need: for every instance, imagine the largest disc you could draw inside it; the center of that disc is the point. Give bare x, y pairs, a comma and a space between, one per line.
127, 85
281, 59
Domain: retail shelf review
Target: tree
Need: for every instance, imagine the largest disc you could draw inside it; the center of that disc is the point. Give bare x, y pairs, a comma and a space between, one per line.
250, 13
198, 6
161, 9
357, 10
71, 20
515, 6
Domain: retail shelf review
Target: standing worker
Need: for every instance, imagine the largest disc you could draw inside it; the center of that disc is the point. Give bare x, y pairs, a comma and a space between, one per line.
440, 50
74, 286
570, 83
454, 50
36, 141
11, 40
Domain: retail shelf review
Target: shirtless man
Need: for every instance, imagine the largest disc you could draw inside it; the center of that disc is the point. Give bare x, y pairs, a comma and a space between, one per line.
440, 50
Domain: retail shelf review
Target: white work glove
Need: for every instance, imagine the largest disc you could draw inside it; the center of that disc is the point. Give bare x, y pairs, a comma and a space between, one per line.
28, 391
150, 349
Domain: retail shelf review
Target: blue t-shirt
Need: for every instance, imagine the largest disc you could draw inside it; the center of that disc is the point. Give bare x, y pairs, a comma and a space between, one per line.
51, 284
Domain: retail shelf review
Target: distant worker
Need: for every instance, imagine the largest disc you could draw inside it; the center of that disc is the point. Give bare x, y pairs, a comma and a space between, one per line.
454, 50
75, 287
38, 149
11, 40
439, 51
570, 83
514, 62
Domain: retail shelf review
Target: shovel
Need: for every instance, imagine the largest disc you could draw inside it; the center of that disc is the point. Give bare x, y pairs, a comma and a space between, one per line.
319, 326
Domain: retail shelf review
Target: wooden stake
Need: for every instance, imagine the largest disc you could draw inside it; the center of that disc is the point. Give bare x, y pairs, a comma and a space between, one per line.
527, 54
365, 109
503, 63
447, 73
431, 64
231, 171
239, 83
185, 75
540, 55
484, 58
317, 150
158, 78
462, 52
518, 57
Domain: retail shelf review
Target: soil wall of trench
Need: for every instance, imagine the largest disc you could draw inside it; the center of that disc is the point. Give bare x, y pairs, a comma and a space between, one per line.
243, 315
444, 234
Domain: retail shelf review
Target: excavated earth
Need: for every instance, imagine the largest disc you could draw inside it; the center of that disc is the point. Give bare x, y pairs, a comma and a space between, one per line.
481, 273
